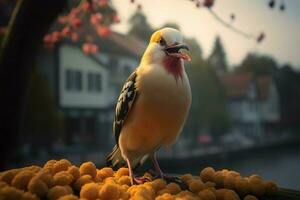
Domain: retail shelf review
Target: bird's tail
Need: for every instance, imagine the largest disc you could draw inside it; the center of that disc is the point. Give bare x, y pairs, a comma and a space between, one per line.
115, 159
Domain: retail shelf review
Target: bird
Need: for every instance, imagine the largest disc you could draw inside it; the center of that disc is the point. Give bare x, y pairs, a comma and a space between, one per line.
153, 104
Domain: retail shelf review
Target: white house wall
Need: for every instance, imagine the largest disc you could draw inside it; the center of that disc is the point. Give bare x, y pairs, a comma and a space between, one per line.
103, 57
122, 60
119, 71
235, 110
72, 58
250, 105
132, 63
270, 106
250, 111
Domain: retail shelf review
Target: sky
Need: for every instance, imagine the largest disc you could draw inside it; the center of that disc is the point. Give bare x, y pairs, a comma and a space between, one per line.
282, 29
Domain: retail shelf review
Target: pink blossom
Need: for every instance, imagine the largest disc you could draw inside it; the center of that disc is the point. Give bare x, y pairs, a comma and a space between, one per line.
94, 49
74, 12
74, 37
47, 39
62, 19
117, 19
86, 48
87, 6
66, 32
56, 36
89, 48
96, 19
103, 31
76, 23
102, 3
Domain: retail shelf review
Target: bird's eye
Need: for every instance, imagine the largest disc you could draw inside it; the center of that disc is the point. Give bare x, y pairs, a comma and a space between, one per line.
162, 42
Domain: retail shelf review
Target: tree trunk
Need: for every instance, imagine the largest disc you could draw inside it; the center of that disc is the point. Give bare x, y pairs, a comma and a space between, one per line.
29, 22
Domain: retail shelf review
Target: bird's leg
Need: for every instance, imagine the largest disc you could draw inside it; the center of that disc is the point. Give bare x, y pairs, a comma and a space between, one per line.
160, 174
130, 171
133, 179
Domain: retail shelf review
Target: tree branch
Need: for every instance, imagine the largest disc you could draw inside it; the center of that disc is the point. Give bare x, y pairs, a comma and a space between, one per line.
229, 26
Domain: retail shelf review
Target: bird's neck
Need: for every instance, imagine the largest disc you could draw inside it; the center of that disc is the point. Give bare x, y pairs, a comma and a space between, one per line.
173, 66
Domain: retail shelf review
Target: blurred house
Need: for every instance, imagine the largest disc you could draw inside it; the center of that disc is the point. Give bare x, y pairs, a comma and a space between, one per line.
288, 83
253, 103
87, 86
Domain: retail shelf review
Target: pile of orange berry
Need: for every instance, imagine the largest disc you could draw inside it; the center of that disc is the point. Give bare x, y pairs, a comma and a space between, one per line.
61, 180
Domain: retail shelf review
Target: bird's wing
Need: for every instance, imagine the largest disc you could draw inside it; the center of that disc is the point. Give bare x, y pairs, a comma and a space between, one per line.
125, 102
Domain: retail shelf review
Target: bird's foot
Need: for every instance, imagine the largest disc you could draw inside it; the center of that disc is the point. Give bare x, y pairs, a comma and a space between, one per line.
170, 179
140, 180
167, 178
175, 179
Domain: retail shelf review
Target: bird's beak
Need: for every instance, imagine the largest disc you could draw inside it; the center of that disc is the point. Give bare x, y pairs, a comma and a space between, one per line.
173, 50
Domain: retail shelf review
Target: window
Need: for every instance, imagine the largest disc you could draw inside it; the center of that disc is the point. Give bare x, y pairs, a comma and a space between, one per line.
98, 82
90, 81
73, 80
68, 79
94, 82
78, 80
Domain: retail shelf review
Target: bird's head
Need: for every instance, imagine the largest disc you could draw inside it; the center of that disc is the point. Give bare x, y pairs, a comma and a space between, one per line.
165, 49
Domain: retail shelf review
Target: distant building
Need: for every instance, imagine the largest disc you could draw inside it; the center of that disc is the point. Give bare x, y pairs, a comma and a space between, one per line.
87, 86
253, 103
269, 103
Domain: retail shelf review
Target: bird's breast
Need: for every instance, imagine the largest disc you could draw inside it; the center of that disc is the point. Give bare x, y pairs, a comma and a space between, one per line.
164, 102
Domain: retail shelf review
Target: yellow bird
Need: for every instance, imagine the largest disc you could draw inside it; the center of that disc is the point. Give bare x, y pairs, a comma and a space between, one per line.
153, 104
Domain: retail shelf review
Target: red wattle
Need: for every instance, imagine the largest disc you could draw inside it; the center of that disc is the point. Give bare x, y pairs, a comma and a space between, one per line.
173, 65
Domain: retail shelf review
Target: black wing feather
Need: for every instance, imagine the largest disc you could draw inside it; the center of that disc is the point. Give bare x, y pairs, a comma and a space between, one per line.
124, 104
